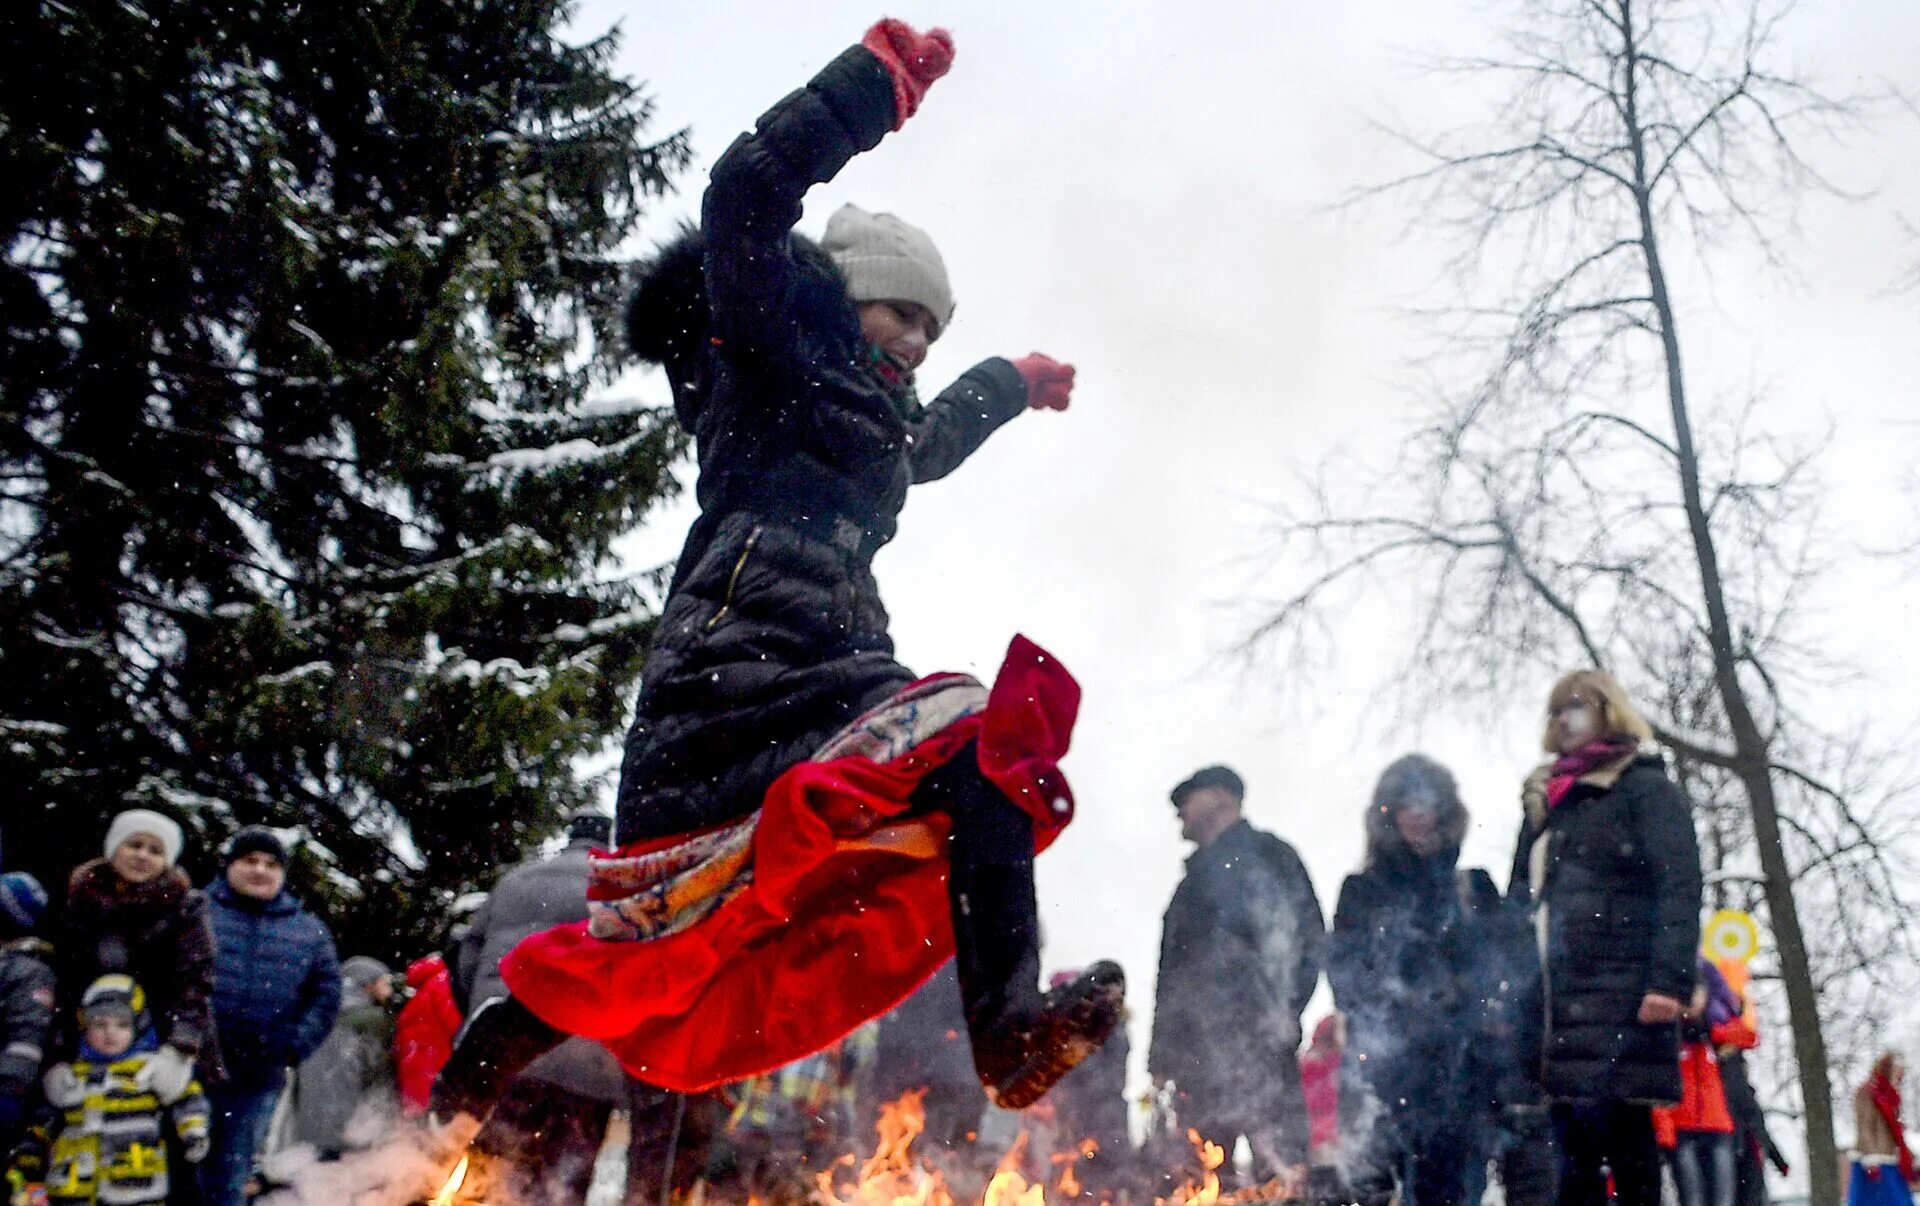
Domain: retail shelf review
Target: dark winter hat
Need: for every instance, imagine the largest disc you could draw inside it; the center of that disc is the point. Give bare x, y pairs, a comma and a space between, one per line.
23, 902
255, 839
885, 259
1209, 776
590, 826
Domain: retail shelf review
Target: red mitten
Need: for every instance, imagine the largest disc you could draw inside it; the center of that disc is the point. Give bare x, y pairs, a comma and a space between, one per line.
1048, 381
913, 59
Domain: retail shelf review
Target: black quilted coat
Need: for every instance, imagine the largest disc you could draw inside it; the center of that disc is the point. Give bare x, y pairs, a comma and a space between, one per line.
1621, 896
774, 636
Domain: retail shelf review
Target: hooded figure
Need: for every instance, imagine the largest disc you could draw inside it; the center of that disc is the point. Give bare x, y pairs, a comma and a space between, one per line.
423, 1033
1421, 960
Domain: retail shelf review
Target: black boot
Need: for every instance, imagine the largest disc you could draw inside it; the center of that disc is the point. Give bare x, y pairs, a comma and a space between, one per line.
1023, 1041
501, 1038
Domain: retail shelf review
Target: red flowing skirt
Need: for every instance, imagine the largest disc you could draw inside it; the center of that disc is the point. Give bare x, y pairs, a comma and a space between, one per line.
842, 916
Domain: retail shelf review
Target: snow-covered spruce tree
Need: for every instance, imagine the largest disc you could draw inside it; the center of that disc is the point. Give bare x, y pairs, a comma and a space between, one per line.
308, 481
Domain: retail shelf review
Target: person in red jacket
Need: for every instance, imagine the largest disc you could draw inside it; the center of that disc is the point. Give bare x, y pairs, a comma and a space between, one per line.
424, 1032
1698, 1133
1320, 1084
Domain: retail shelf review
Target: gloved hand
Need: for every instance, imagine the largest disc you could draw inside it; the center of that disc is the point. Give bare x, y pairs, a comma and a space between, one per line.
195, 1146
913, 59
167, 1074
1048, 381
62, 1087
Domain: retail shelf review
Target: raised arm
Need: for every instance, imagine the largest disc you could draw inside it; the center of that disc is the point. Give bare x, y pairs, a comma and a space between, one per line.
754, 196
957, 422
985, 397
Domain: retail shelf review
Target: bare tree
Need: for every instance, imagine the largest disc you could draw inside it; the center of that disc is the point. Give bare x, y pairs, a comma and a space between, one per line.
1571, 499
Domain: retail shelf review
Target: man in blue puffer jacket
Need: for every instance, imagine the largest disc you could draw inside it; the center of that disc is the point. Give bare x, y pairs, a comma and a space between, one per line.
276, 990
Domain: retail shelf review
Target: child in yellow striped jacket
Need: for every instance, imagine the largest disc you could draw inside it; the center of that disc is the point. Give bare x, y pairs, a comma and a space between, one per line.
117, 1101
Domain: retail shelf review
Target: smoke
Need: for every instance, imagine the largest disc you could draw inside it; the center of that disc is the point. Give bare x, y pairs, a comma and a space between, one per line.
398, 1161
409, 1164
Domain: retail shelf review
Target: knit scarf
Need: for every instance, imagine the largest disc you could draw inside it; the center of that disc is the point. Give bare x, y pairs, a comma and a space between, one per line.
1886, 1099
898, 383
1569, 768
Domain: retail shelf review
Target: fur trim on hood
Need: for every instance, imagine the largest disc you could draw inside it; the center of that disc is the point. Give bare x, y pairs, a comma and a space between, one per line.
1415, 780
96, 880
669, 323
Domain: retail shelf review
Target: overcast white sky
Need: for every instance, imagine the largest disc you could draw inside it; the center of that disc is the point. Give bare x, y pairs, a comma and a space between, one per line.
1136, 188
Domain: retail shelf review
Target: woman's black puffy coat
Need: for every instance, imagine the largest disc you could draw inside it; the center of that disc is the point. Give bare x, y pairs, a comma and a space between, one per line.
1619, 896
774, 636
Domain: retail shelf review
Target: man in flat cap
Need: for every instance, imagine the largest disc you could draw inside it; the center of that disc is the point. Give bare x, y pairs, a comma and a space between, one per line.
1241, 949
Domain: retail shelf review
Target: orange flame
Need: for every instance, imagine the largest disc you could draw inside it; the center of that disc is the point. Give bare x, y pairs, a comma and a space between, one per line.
449, 1192
1009, 1188
895, 1176
891, 1176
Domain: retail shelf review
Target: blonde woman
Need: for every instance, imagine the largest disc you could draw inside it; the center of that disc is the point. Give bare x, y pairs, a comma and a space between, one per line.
1608, 863
1883, 1168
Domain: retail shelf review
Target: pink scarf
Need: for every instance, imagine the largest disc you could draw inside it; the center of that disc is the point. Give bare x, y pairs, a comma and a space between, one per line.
1886, 1099
1569, 768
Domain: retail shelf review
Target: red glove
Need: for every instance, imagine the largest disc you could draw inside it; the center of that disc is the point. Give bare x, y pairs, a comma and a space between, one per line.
1048, 381
913, 59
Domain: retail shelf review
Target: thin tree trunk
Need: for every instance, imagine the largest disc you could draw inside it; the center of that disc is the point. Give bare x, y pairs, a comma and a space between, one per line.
1751, 754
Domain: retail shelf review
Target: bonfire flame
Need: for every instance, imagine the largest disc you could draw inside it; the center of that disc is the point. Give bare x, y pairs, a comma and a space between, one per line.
891, 1176
894, 1176
449, 1194
1212, 1156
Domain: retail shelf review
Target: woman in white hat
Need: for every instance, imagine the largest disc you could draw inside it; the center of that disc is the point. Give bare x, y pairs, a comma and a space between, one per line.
134, 912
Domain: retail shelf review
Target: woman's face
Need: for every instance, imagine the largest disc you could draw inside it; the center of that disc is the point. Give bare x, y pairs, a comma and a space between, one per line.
902, 330
1419, 828
139, 859
1574, 723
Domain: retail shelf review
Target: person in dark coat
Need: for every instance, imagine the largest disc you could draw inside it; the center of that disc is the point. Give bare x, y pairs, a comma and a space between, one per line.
135, 913
1421, 960
354, 1066
554, 1114
276, 994
1608, 864
794, 364
1241, 948
26, 1002
1754, 1146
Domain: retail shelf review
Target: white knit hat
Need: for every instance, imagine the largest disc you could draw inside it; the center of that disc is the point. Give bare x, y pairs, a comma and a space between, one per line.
145, 820
885, 259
